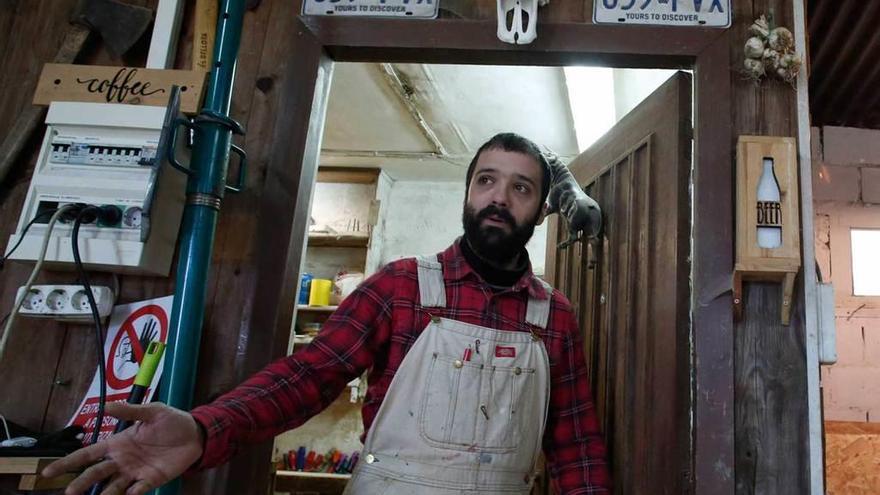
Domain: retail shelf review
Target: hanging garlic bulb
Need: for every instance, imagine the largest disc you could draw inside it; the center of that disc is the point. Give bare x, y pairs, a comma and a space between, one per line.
754, 47
771, 58
781, 39
760, 27
754, 68
790, 65
770, 52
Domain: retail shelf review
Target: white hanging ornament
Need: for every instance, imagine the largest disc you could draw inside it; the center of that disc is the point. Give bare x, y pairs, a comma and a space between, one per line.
523, 14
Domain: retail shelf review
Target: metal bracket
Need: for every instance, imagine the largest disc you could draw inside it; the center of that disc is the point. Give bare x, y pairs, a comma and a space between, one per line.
209, 117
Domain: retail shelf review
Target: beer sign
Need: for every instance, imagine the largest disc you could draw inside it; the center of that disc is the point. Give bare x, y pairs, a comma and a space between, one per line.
767, 216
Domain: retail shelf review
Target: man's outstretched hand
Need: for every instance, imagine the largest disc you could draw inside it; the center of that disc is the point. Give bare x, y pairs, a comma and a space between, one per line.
162, 445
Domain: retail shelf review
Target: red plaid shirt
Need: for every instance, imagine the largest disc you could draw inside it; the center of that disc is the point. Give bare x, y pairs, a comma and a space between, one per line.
375, 327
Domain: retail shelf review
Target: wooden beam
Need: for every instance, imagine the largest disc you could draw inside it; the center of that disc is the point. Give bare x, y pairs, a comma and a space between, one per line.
282, 221
713, 265
390, 40
810, 285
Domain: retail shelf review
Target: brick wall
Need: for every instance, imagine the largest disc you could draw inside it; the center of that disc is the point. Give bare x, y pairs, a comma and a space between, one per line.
846, 164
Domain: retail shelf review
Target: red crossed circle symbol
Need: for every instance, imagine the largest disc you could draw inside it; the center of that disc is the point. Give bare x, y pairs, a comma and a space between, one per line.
127, 329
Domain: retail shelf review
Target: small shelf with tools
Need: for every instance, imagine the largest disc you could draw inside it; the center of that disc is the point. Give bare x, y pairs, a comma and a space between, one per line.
296, 481
316, 309
343, 247
310, 320
324, 239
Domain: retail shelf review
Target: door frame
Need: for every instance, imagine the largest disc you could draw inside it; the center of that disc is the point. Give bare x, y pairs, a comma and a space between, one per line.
294, 152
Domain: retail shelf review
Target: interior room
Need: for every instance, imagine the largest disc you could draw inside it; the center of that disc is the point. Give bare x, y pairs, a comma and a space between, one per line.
191, 191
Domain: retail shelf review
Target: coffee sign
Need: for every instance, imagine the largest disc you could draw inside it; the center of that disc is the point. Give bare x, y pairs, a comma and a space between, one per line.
129, 85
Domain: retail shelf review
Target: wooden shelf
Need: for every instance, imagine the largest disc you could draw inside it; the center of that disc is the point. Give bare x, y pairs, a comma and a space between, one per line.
294, 481
28, 468
350, 175
310, 475
338, 240
24, 465
316, 309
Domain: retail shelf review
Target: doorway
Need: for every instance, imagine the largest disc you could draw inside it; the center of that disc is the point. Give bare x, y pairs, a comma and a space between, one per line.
710, 385
414, 128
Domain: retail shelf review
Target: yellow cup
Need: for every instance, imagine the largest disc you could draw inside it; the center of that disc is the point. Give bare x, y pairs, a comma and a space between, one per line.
319, 294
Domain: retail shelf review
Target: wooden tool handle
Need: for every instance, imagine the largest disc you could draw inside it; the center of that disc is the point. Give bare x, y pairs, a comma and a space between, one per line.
204, 33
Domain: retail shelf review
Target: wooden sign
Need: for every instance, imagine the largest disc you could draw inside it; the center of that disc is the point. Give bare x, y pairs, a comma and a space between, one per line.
767, 216
129, 85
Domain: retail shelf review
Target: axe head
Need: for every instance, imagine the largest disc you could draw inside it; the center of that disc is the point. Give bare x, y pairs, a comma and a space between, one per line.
119, 24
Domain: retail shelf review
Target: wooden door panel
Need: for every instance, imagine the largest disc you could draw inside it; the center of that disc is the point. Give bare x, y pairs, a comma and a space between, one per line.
631, 290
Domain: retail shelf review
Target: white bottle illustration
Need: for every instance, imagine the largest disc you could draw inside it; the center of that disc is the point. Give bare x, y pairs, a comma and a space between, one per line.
768, 208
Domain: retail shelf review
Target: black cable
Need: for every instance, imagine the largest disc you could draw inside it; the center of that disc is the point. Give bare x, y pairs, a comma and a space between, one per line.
102, 396
25, 231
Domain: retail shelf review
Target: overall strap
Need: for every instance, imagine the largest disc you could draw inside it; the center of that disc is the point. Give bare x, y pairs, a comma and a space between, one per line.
432, 289
538, 310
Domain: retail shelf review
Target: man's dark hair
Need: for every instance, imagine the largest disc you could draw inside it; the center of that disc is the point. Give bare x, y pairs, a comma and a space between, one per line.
508, 141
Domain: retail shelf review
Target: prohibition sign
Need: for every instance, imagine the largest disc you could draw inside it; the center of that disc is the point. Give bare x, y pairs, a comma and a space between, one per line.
127, 329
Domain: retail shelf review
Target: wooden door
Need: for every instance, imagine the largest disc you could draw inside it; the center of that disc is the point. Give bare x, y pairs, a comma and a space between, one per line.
630, 290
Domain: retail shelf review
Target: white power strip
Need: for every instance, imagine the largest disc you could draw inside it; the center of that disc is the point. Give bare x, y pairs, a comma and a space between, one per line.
64, 302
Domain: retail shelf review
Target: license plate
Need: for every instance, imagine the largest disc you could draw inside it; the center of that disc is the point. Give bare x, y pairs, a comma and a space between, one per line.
423, 9
710, 13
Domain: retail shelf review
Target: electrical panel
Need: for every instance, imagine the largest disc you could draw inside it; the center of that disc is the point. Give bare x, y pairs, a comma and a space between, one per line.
106, 155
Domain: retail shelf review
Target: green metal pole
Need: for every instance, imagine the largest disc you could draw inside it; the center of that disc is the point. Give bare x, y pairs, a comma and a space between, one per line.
205, 190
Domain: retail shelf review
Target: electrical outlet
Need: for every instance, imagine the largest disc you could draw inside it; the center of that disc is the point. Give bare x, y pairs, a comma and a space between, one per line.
64, 302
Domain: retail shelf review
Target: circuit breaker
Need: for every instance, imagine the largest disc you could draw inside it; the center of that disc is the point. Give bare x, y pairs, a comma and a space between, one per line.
106, 155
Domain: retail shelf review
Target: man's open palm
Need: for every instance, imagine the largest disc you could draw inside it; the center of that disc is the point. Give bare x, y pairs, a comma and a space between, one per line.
163, 444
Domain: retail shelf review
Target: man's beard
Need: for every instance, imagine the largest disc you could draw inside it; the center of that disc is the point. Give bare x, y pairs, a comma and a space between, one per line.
490, 242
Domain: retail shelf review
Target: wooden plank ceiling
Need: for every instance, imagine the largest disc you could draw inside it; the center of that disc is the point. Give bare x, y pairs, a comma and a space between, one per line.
844, 68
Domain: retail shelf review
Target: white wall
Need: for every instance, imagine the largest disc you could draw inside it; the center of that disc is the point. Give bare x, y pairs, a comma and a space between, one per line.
342, 207
425, 217
377, 238
631, 86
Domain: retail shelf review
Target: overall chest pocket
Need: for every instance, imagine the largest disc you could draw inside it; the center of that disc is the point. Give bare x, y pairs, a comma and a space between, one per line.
466, 405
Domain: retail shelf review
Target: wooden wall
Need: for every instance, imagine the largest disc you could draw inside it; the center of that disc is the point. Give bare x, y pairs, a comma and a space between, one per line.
250, 301
44, 396
770, 362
